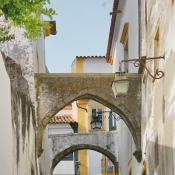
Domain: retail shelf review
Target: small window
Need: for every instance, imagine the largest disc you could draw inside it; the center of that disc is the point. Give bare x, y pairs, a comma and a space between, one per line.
97, 114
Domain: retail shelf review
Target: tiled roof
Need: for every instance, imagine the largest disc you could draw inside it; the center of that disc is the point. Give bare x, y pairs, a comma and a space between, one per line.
90, 56
111, 33
67, 108
63, 119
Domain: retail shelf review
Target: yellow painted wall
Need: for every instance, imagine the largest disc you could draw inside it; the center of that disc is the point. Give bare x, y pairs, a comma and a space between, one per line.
79, 65
82, 154
82, 158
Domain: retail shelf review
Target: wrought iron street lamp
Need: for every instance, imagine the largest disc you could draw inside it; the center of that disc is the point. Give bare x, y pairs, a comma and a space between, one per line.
121, 83
96, 123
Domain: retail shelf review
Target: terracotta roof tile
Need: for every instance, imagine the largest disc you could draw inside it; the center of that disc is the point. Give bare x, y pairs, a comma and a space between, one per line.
63, 119
90, 57
111, 33
67, 108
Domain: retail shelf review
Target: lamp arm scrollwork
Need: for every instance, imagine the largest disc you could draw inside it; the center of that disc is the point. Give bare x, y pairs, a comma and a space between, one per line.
137, 62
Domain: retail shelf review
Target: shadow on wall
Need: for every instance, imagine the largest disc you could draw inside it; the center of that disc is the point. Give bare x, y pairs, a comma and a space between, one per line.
160, 159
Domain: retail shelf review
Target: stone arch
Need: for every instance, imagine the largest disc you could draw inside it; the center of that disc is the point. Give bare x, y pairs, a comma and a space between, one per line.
55, 91
73, 148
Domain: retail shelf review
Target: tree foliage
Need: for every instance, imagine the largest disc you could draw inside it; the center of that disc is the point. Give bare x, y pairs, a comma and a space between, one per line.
26, 14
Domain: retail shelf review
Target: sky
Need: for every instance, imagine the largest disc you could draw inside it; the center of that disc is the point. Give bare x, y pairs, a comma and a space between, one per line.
82, 30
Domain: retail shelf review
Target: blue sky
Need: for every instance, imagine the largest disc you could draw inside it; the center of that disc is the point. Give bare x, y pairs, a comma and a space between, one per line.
82, 30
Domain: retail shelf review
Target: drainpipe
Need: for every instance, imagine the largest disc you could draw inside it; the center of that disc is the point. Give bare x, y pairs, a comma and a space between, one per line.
81, 107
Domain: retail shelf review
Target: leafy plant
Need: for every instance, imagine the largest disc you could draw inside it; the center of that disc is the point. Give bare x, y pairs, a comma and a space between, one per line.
26, 14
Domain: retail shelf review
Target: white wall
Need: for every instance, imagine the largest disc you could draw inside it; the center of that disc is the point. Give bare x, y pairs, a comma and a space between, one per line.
126, 148
129, 14
96, 65
39, 54
64, 167
13, 145
23, 51
6, 154
94, 162
64, 112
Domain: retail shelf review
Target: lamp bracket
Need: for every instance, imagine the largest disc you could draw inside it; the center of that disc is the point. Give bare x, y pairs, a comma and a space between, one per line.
142, 61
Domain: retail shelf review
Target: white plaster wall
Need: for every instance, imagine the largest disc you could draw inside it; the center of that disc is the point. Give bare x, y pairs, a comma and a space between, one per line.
27, 157
64, 167
74, 110
45, 159
126, 148
129, 14
9, 132
94, 162
96, 65
23, 51
6, 153
39, 48
64, 112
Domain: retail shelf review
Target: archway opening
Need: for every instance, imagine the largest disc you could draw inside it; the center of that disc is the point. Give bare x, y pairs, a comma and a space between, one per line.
98, 99
91, 160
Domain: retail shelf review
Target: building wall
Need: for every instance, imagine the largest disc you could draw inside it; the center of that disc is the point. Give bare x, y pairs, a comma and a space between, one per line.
63, 167
90, 65
94, 65
18, 152
158, 97
29, 54
90, 160
126, 42
20, 119
129, 15
6, 151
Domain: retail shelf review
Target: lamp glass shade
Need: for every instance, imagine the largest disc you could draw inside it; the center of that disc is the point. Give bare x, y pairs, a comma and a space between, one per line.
120, 87
96, 124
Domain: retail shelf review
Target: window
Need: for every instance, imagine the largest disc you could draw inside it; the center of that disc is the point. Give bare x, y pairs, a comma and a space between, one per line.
97, 114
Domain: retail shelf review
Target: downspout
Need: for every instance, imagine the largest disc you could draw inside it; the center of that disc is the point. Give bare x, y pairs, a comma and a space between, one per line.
81, 107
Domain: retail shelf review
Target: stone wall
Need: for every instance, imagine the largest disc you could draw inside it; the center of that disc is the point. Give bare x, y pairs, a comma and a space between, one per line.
55, 91
158, 98
64, 144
